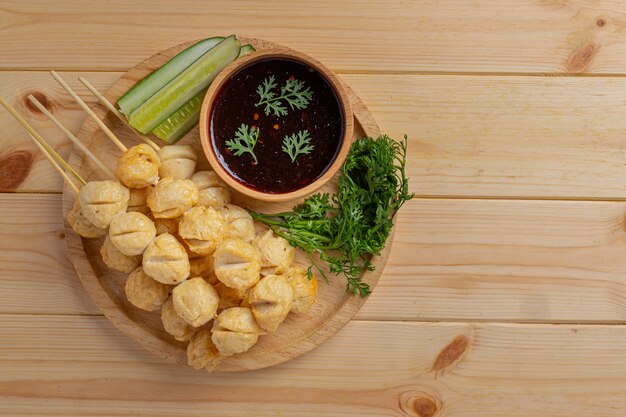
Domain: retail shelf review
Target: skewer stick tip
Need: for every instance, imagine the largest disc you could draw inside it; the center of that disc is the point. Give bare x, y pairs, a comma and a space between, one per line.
116, 112
89, 112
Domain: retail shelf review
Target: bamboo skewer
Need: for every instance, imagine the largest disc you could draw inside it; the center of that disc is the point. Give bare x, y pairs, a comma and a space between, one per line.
70, 135
54, 163
116, 112
91, 114
33, 133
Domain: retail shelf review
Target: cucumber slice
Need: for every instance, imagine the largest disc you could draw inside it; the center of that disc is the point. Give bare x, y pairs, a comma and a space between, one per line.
182, 121
245, 50
185, 86
172, 129
153, 82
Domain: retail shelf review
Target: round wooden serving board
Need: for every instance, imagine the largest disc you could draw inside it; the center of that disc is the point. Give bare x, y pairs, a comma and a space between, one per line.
297, 335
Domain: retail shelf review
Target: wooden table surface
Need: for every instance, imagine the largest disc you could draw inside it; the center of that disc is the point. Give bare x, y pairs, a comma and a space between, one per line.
505, 291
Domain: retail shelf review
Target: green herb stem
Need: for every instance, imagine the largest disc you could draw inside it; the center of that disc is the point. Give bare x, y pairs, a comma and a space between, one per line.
349, 227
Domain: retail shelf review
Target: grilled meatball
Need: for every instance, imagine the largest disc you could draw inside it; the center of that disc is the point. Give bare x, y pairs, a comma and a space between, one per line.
213, 192
241, 225
138, 167
177, 161
116, 260
203, 229
81, 225
270, 301
202, 352
171, 198
102, 201
131, 233
304, 289
195, 301
145, 293
235, 331
166, 261
137, 200
174, 324
237, 264
276, 253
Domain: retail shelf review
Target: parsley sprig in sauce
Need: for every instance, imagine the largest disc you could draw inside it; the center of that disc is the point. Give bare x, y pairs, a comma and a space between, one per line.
297, 144
244, 142
293, 93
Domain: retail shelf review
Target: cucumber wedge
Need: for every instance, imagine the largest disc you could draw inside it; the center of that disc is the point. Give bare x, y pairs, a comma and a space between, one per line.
152, 83
182, 121
245, 50
172, 129
185, 86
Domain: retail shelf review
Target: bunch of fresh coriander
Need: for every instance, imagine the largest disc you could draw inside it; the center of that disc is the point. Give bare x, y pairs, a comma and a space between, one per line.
349, 227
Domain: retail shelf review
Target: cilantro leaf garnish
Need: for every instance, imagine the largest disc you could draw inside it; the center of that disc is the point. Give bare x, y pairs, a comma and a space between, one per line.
244, 142
293, 93
297, 144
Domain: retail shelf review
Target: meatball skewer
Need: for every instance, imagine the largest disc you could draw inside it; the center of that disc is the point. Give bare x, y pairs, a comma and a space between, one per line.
178, 161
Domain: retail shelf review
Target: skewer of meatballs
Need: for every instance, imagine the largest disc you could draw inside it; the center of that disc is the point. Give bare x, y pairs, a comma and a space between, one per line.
187, 250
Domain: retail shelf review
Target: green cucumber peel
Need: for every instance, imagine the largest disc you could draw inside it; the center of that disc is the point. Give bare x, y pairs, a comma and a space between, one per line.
153, 82
185, 86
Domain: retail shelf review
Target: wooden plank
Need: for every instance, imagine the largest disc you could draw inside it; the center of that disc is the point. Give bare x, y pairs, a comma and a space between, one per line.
61, 365
527, 261
474, 136
36, 276
477, 136
357, 35
22, 167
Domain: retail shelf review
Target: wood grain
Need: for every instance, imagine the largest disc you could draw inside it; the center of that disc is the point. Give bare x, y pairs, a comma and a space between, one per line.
61, 365
470, 136
451, 75
36, 276
22, 167
523, 261
548, 36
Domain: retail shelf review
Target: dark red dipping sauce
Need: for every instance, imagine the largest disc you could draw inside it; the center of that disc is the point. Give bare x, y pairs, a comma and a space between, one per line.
275, 172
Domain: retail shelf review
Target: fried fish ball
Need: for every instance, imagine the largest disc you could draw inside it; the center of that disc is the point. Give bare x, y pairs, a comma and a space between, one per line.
213, 192
137, 200
174, 324
304, 289
229, 297
102, 201
241, 225
145, 293
116, 260
270, 301
166, 261
235, 331
276, 253
166, 225
195, 301
237, 264
203, 267
131, 233
138, 167
203, 229
171, 198
81, 225
177, 161
202, 352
